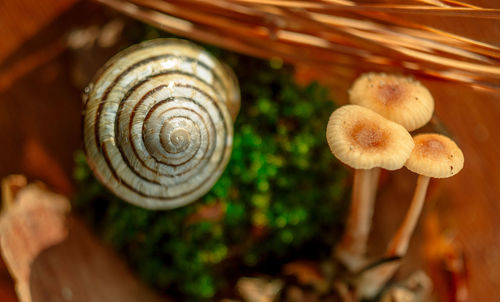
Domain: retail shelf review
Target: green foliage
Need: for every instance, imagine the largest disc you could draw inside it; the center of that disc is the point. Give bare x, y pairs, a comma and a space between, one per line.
279, 194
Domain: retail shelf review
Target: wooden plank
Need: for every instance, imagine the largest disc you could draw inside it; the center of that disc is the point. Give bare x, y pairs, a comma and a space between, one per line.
21, 20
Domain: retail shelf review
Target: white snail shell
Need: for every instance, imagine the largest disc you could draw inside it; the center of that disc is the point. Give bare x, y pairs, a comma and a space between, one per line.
158, 123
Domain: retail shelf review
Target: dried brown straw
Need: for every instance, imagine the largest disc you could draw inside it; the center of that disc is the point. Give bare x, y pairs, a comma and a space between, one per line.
335, 37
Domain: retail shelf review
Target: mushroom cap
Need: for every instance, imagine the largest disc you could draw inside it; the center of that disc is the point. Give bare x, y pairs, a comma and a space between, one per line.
364, 139
401, 99
435, 156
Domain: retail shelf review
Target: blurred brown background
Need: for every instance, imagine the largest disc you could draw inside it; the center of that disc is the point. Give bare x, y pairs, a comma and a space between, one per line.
40, 112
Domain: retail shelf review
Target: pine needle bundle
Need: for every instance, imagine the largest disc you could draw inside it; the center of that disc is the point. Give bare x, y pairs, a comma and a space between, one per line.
339, 39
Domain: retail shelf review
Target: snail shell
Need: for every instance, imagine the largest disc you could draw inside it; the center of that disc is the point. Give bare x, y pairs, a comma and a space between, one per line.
158, 123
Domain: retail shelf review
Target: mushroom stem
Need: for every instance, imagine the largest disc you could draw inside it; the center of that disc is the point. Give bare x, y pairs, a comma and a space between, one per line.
370, 283
352, 246
400, 241
375, 175
372, 280
375, 178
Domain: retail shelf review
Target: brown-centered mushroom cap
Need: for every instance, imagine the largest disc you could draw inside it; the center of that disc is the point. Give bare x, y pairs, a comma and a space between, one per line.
435, 156
403, 100
364, 139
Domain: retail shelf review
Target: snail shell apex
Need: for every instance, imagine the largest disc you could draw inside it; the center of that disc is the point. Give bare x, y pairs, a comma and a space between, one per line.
158, 123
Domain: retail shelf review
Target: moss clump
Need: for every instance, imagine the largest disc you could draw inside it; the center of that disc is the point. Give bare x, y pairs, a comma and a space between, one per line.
279, 197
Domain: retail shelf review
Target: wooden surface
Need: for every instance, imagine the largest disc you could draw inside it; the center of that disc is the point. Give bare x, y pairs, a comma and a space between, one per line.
53, 257
81, 269
21, 20
473, 203
40, 107
40, 129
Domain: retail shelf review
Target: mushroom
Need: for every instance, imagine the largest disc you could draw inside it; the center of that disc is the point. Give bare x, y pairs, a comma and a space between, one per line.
434, 156
400, 99
363, 140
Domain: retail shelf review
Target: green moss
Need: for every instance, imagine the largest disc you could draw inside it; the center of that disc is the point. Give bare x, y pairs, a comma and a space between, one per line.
280, 193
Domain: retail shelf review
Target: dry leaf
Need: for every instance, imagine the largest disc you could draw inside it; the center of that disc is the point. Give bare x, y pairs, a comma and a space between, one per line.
34, 222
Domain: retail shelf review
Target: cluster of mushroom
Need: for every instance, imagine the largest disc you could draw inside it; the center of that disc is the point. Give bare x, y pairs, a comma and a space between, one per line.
372, 133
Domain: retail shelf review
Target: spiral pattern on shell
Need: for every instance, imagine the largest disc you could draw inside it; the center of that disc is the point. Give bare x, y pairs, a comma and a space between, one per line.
158, 123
